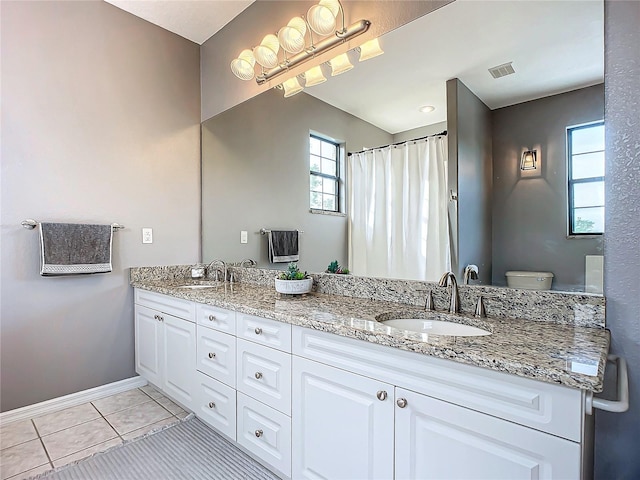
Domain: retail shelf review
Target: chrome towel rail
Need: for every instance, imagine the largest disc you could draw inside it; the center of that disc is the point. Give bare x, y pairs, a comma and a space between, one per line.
264, 231
30, 224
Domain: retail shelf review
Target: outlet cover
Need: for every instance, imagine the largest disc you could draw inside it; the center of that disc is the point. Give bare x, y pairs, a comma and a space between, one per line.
243, 236
147, 235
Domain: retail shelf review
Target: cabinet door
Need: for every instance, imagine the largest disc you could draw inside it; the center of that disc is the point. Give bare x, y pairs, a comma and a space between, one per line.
216, 404
179, 359
217, 355
148, 341
341, 430
439, 440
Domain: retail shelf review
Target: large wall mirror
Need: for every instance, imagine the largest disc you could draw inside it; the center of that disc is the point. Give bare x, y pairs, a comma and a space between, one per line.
255, 156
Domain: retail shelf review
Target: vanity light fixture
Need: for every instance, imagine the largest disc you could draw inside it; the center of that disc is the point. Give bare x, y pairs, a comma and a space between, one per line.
291, 87
528, 161
297, 43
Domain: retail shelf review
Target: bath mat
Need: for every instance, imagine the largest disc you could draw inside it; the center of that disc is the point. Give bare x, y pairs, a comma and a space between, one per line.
188, 450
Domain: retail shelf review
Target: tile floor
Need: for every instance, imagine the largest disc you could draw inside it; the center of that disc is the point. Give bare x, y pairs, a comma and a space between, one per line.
30, 447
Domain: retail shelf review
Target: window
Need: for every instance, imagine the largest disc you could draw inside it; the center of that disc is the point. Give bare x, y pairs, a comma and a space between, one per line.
324, 176
586, 179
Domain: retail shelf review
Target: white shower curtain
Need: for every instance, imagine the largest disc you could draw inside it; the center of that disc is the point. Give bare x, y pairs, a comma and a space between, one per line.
398, 224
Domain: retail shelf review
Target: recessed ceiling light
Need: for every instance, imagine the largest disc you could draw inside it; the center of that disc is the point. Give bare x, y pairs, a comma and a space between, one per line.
427, 108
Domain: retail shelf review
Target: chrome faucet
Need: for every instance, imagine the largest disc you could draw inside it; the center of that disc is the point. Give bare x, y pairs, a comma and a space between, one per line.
216, 264
470, 272
449, 280
248, 263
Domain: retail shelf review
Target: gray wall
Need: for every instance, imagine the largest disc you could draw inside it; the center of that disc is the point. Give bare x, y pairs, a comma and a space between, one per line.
617, 440
255, 174
221, 90
469, 140
530, 208
100, 123
419, 132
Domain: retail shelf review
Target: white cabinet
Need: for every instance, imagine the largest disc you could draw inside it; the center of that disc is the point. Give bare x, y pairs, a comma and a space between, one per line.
264, 331
342, 424
438, 440
178, 359
217, 355
216, 404
165, 345
265, 432
148, 340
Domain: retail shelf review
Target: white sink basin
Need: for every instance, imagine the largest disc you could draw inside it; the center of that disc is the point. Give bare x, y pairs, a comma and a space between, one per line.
435, 327
193, 287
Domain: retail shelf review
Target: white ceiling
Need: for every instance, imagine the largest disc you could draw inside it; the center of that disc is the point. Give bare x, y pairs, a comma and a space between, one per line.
195, 20
555, 46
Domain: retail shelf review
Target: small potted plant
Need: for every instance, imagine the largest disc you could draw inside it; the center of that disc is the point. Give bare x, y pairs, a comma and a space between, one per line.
293, 282
334, 267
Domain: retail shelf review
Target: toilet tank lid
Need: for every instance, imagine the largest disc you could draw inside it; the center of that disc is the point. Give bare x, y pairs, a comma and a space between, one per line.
522, 273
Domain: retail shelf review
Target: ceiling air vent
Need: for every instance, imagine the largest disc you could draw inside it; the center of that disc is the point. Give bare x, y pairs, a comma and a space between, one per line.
502, 70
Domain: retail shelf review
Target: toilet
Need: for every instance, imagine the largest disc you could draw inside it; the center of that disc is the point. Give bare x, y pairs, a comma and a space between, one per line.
529, 280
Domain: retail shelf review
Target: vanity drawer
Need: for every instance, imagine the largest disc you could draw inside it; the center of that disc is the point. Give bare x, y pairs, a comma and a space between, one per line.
216, 405
163, 303
546, 407
217, 355
265, 432
264, 331
265, 374
217, 318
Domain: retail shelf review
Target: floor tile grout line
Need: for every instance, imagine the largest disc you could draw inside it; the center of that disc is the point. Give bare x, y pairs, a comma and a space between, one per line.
46, 452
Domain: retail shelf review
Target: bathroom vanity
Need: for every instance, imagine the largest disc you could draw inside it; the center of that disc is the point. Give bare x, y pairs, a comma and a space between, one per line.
315, 387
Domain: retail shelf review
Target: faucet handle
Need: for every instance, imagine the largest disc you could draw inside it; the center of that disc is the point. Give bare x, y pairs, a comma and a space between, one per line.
428, 304
480, 310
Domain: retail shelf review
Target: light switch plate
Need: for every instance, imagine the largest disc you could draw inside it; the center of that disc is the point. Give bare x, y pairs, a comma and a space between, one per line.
243, 236
147, 235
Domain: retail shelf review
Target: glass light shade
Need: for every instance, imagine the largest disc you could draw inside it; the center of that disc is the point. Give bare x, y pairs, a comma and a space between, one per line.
291, 87
266, 54
528, 161
242, 67
370, 49
291, 37
314, 76
321, 20
340, 64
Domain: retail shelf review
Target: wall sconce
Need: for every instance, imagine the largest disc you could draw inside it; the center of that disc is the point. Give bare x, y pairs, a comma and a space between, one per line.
528, 161
291, 39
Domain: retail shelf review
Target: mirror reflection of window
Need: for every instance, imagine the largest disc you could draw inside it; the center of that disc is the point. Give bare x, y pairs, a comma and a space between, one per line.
324, 174
586, 179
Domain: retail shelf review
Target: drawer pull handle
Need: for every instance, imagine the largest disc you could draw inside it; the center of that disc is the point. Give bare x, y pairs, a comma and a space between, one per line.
258, 375
402, 402
212, 405
212, 318
259, 433
382, 395
212, 355
156, 317
258, 330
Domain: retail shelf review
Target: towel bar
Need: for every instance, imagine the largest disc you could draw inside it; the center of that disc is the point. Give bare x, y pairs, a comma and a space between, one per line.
264, 231
30, 224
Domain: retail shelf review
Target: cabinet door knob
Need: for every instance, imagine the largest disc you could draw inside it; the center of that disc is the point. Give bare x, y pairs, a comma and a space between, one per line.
258, 330
402, 402
212, 405
212, 318
156, 316
382, 395
258, 375
212, 355
258, 433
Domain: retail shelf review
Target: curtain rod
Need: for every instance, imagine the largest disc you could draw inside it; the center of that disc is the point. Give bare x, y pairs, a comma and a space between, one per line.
399, 143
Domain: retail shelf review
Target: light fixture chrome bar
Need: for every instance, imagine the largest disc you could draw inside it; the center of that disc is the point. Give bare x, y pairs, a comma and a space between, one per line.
352, 31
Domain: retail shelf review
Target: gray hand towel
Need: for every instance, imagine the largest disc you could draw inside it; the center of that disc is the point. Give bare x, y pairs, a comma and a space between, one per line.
70, 249
283, 246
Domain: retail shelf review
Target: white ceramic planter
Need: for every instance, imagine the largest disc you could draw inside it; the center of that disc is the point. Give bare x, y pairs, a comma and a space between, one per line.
294, 287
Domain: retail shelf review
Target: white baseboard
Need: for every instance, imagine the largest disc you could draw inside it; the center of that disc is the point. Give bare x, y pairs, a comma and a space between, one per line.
71, 400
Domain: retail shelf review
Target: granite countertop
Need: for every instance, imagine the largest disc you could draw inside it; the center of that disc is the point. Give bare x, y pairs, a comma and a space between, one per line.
573, 356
